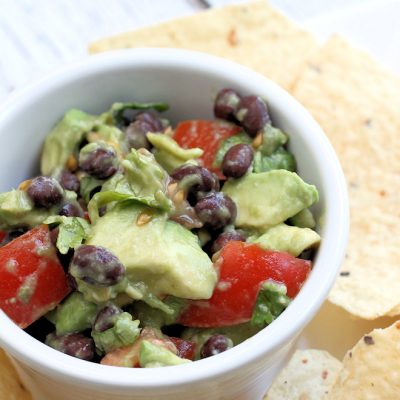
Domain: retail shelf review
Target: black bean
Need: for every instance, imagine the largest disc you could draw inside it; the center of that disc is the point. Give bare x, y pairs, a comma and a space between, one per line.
96, 265
45, 192
128, 116
216, 210
71, 210
99, 161
252, 113
106, 317
69, 181
237, 160
226, 237
74, 344
151, 119
226, 103
214, 345
195, 179
136, 135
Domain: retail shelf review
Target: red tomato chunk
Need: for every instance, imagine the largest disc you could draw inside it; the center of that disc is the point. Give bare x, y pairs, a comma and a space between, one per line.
207, 135
243, 267
32, 280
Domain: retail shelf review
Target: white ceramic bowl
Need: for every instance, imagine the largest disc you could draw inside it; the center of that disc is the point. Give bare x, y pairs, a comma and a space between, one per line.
189, 82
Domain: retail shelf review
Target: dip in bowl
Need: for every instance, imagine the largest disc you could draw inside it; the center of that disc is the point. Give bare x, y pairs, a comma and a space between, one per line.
189, 82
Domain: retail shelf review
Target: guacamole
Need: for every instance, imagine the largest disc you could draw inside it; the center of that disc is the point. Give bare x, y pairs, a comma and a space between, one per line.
143, 244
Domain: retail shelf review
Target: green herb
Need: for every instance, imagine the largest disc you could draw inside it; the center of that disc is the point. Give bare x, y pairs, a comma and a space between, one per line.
72, 231
271, 302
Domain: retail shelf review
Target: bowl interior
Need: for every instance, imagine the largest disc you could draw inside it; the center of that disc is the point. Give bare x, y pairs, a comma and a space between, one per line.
188, 82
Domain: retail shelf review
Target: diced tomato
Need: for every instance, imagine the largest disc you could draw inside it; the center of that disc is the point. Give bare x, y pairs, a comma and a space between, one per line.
2, 236
186, 348
207, 135
32, 280
243, 267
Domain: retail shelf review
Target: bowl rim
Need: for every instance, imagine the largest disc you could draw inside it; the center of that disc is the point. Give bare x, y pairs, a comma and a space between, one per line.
268, 341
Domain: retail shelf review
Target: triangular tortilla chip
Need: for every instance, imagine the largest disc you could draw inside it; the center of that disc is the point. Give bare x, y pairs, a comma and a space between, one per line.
357, 104
253, 34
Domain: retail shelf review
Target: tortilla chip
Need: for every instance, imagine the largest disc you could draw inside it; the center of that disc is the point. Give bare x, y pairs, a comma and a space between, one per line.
371, 370
309, 375
10, 386
253, 34
357, 103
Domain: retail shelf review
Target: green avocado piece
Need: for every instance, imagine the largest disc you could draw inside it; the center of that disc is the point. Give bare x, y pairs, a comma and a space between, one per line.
152, 356
156, 318
124, 332
269, 198
64, 139
291, 239
303, 219
159, 253
272, 139
280, 159
74, 314
17, 209
169, 154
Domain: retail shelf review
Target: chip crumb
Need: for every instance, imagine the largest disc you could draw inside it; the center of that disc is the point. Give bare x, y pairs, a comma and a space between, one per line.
382, 193
397, 325
232, 38
305, 361
315, 68
369, 340
368, 122
324, 374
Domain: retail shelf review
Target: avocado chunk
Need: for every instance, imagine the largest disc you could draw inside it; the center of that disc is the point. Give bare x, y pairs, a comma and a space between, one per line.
124, 332
303, 219
160, 253
287, 238
64, 139
169, 154
74, 314
17, 209
156, 318
269, 198
152, 356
